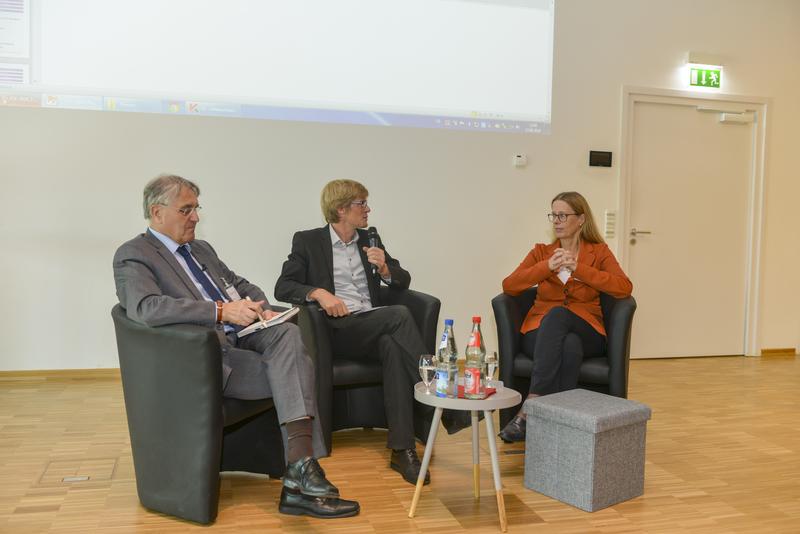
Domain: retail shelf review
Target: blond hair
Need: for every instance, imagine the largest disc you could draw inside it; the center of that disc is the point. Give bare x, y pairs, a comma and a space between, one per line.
588, 231
339, 194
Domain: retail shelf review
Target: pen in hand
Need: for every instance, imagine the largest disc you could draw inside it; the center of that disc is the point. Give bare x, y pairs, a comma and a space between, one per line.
260, 318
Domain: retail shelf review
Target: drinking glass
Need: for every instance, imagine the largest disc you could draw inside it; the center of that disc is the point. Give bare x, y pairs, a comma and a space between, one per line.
491, 368
427, 370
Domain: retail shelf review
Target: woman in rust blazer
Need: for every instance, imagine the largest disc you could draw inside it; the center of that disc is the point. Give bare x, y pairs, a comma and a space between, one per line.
570, 273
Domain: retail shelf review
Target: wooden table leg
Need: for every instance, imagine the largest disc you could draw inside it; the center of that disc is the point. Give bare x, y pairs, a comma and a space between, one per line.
498, 486
476, 460
426, 458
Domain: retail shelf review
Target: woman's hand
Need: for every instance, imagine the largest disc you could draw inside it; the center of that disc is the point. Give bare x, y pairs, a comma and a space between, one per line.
555, 261
562, 258
569, 261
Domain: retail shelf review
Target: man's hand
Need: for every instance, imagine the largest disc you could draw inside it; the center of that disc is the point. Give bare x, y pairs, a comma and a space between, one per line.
377, 257
333, 305
242, 312
269, 314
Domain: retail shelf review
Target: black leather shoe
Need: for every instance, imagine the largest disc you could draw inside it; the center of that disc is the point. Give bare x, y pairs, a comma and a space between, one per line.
406, 462
307, 477
295, 503
514, 430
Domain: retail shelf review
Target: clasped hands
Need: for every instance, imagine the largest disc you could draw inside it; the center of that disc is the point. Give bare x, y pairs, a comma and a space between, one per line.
560, 259
245, 312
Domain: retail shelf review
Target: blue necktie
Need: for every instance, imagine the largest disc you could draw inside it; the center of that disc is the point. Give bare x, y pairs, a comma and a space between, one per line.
199, 275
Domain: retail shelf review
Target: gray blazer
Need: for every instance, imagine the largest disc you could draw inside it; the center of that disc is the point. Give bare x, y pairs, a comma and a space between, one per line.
155, 290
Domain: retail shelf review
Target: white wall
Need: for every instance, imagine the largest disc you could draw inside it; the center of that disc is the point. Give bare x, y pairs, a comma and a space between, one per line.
449, 205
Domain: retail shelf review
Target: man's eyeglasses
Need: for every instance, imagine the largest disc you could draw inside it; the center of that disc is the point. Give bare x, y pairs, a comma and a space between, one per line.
188, 210
360, 203
561, 217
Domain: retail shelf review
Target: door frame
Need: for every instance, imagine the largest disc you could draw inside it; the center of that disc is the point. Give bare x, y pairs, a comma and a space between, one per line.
632, 95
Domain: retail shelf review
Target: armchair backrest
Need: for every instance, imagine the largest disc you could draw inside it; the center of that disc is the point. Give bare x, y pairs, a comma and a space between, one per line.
423, 307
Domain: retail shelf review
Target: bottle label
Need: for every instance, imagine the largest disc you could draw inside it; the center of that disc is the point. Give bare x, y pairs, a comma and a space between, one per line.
443, 344
441, 382
472, 381
474, 339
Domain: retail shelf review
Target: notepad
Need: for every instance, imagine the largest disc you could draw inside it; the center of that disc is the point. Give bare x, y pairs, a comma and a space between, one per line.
261, 325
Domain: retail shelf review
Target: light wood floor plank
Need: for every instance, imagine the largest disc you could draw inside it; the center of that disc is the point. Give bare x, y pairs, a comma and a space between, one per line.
723, 455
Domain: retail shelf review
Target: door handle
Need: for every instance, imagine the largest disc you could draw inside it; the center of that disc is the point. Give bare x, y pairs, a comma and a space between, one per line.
635, 232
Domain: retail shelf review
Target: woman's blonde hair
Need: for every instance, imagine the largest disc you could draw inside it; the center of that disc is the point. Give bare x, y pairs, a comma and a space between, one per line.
339, 194
588, 231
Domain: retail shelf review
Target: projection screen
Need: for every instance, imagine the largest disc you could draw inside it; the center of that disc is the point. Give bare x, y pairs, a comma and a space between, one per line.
478, 65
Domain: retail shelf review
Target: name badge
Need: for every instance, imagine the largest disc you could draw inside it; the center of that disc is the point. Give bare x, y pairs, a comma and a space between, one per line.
233, 295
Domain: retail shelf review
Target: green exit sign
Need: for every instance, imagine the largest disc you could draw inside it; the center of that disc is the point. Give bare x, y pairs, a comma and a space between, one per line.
705, 77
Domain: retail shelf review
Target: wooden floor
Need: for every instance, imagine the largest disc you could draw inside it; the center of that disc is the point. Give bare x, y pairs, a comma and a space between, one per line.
723, 455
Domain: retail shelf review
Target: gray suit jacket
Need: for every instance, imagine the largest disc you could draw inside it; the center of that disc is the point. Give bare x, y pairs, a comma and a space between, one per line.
155, 290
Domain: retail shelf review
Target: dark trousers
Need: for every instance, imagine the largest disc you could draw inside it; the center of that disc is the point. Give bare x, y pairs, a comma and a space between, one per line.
556, 357
390, 335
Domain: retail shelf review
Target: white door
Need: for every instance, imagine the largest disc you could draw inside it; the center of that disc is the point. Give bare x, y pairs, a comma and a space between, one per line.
686, 234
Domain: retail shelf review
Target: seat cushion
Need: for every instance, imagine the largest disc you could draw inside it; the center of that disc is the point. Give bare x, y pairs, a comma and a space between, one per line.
350, 372
593, 370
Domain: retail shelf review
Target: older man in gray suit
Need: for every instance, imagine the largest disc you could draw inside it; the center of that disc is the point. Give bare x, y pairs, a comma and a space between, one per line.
166, 276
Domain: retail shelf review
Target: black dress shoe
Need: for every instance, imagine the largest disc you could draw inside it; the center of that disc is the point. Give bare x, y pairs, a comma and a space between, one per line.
514, 430
406, 462
307, 477
295, 503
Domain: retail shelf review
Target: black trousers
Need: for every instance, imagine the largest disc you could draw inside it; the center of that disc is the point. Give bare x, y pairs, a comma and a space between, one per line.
391, 335
556, 357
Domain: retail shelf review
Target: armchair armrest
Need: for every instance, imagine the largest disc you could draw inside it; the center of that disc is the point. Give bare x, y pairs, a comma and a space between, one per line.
317, 335
618, 315
172, 384
423, 307
508, 315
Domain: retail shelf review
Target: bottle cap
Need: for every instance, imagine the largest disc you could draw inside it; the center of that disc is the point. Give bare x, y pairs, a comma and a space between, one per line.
448, 322
476, 319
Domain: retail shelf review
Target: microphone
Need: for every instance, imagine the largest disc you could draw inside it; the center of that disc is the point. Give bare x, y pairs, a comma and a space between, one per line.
374, 241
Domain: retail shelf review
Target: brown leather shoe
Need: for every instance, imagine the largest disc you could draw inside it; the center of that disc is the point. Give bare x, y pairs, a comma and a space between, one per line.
406, 462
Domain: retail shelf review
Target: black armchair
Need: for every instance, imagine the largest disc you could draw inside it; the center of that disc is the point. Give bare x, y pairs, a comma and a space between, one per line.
607, 374
350, 391
183, 432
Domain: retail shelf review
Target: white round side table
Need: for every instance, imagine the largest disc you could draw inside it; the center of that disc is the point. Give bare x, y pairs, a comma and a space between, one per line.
501, 399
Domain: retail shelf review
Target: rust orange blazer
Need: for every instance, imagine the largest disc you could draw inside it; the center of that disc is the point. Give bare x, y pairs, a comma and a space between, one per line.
597, 271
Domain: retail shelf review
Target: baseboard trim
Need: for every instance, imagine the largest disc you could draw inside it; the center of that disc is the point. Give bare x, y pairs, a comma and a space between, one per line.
779, 352
61, 374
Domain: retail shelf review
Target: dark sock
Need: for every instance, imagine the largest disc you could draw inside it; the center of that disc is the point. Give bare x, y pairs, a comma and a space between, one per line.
299, 438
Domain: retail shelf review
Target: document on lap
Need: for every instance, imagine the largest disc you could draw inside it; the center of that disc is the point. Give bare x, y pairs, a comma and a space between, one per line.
261, 325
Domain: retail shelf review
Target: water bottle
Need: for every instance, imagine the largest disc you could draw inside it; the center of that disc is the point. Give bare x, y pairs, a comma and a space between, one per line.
447, 366
474, 385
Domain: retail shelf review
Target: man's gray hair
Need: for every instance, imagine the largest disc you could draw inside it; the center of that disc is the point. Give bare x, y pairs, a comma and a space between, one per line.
163, 189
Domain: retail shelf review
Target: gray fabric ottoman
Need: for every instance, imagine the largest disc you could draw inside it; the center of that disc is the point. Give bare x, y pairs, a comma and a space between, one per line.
585, 448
